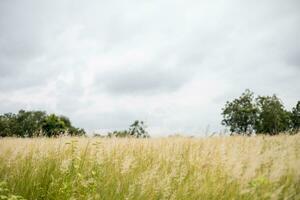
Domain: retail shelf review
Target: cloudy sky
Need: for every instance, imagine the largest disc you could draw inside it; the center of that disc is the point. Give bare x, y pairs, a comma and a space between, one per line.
171, 63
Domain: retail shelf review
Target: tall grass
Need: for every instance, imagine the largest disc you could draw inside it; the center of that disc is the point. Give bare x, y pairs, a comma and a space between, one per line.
171, 168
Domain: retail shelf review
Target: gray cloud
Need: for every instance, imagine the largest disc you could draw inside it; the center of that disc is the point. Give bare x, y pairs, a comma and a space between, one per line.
148, 79
142, 81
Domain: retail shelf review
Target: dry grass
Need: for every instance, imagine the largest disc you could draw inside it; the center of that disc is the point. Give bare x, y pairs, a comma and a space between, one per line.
171, 168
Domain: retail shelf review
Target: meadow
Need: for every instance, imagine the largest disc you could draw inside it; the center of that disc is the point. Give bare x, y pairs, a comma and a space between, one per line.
260, 167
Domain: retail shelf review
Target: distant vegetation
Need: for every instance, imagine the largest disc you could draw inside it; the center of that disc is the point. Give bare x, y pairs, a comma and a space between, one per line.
262, 115
137, 130
36, 123
39, 123
244, 115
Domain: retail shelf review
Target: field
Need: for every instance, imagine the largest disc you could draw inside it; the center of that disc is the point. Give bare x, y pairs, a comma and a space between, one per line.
170, 168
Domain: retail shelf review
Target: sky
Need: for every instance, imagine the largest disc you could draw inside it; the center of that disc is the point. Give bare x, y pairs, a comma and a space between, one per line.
172, 63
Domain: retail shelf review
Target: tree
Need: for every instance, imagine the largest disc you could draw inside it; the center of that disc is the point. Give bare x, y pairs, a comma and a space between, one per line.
240, 114
28, 123
121, 134
56, 125
266, 115
35, 123
22, 124
272, 118
75, 131
71, 130
6, 122
53, 126
66, 120
295, 118
137, 130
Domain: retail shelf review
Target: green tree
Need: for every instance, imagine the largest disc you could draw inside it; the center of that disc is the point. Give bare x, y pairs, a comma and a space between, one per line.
22, 124
28, 123
138, 129
71, 130
295, 118
75, 131
240, 114
6, 124
53, 126
35, 123
272, 118
66, 120
121, 134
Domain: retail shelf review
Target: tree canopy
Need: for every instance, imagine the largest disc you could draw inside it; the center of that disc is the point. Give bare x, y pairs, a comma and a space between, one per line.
262, 115
295, 117
36, 123
240, 114
272, 118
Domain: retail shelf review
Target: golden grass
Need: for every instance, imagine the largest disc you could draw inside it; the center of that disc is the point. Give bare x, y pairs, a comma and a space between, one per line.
171, 168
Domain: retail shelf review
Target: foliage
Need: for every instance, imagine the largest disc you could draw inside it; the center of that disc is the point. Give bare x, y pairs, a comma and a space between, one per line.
73, 131
98, 135
28, 122
56, 125
35, 123
295, 118
137, 130
5, 193
264, 115
240, 114
123, 133
53, 126
272, 117
64, 168
66, 121
24, 123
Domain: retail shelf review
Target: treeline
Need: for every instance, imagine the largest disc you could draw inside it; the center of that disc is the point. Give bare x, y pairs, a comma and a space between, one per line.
36, 123
261, 115
244, 115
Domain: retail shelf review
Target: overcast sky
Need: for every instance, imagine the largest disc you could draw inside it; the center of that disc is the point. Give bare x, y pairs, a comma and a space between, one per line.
171, 63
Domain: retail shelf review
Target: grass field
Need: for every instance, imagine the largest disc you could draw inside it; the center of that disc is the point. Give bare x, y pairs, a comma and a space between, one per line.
170, 168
